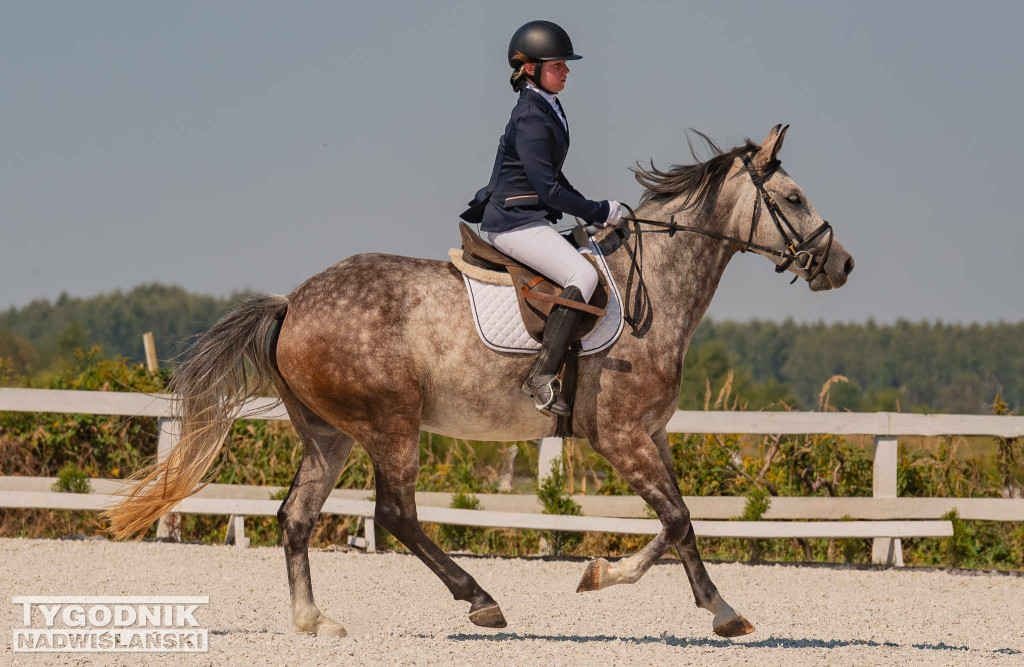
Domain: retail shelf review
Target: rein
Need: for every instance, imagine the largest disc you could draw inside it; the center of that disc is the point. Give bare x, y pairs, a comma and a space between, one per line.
796, 246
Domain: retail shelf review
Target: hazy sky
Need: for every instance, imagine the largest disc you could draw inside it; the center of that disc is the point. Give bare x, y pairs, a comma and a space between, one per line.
249, 145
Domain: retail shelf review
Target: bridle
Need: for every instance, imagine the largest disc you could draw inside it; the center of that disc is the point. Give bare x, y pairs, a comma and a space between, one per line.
796, 246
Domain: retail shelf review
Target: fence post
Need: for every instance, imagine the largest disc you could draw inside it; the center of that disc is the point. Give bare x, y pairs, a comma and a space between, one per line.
368, 541
149, 344
370, 535
236, 531
550, 449
886, 550
170, 524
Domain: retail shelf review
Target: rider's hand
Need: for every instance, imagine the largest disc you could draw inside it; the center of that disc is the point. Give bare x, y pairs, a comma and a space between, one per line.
615, 212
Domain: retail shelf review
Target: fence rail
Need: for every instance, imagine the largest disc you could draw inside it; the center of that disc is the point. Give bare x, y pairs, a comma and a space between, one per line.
627, 507
684, 421
883, 517
490, 519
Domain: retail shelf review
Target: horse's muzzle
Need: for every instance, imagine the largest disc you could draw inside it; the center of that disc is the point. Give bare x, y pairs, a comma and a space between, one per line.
836, 272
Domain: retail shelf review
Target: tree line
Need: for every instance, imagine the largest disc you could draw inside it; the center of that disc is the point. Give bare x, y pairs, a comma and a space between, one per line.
907, 366
37, 336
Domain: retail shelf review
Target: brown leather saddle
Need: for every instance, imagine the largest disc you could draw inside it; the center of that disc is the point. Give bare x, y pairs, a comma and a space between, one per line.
537, 294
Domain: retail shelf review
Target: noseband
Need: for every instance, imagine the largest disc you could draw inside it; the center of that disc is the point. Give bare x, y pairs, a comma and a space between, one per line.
797, 248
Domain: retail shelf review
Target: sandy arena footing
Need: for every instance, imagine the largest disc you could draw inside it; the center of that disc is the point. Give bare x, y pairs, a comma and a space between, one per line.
397, 612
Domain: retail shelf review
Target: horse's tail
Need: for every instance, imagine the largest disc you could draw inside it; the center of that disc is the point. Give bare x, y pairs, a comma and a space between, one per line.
209, 388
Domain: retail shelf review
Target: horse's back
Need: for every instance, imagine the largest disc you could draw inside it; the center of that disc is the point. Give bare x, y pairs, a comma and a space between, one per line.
373, 289
380, 333
359, 320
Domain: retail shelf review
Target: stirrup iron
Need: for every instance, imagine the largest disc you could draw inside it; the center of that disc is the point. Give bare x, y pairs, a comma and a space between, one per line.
555, 392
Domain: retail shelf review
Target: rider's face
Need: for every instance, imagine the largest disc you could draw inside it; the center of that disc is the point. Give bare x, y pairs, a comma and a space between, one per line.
553, 74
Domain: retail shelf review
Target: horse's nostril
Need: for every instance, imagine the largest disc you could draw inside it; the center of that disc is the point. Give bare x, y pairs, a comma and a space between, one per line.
848, 267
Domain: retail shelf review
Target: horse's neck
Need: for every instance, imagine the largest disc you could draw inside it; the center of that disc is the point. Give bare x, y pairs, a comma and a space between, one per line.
681, 272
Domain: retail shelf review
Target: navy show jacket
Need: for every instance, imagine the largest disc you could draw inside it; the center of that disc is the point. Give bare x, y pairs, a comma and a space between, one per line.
527, 183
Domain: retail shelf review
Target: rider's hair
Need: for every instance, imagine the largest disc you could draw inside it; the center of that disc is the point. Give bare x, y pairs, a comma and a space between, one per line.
519, 76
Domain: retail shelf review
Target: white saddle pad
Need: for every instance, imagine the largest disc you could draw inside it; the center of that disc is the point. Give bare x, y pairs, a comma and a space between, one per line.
500, 325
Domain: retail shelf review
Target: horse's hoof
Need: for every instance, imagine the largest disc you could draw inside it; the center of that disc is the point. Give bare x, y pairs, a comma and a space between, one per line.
332, 630
596, 571
312, 621
487, 615
737, 626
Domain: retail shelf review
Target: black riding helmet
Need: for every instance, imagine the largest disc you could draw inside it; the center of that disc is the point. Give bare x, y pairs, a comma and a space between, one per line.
541, 42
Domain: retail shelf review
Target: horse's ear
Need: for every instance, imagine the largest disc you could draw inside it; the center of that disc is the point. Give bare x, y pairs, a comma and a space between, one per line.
778, 142
770, 147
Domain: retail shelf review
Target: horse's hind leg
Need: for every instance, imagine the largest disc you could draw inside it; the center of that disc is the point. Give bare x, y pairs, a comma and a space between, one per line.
639, 460
324, 451
395, 457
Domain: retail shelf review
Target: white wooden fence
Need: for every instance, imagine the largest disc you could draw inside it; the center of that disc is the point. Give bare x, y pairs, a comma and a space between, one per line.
883, 517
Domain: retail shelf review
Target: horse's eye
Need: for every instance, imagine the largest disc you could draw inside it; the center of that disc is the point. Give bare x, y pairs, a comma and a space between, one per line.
794, 199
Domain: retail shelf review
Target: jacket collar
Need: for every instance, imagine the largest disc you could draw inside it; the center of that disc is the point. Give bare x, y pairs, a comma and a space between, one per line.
542, 102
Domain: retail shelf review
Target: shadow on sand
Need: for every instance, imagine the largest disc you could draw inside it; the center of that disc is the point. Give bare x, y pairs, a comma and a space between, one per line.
671, 640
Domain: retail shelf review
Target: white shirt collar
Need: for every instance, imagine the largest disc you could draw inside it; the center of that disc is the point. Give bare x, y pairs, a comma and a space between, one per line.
546, 95
552, 100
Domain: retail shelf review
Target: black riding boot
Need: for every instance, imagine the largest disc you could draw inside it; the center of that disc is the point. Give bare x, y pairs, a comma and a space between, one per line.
542, 382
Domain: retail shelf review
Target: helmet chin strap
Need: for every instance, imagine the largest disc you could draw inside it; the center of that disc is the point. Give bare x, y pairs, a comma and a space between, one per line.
535, 79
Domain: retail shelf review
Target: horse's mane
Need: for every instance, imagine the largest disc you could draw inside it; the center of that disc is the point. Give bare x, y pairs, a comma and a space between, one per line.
700, 181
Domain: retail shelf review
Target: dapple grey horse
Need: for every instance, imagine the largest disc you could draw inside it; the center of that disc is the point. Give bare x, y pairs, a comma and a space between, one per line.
377, 347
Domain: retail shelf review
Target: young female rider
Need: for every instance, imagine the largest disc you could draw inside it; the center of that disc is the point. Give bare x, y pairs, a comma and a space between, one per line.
528, 192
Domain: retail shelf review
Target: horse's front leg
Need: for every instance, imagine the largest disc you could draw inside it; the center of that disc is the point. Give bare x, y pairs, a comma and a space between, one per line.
727, 622
636, 457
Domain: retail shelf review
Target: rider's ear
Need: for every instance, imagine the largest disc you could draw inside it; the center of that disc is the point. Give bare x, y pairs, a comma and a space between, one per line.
770, 147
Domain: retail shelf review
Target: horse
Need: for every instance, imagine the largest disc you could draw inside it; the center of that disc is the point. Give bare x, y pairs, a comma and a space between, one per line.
377, 347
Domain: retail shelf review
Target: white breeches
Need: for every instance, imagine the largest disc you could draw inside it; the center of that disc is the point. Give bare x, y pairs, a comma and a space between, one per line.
544, 250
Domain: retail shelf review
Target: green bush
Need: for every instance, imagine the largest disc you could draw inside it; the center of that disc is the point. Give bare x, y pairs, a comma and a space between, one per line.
556, 500
960, 547
71, 480
758, 502
462, 538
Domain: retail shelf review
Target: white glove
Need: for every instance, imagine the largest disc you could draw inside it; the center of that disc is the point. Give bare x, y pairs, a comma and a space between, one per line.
615, 212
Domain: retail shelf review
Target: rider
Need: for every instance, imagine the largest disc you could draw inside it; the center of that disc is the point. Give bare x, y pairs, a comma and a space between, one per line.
528, 192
